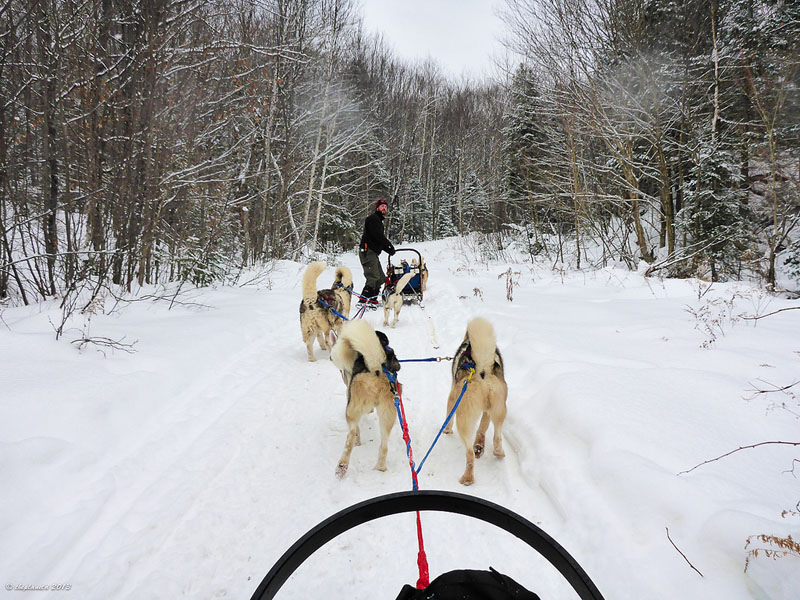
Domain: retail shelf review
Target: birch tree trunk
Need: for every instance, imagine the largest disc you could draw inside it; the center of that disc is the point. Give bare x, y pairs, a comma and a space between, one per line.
333, 39
323, 177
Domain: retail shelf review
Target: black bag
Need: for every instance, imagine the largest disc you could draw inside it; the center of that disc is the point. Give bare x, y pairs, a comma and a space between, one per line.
469, 585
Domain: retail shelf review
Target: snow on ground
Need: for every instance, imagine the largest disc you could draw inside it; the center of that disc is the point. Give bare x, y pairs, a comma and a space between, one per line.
186, 469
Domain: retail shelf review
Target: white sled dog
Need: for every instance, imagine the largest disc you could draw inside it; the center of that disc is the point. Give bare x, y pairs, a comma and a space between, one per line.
360, 354
393, 299
317, 321
485, 396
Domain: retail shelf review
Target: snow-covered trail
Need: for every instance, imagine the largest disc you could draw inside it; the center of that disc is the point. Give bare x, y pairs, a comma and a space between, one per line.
435, 331
187, 469
319, 433
249, 442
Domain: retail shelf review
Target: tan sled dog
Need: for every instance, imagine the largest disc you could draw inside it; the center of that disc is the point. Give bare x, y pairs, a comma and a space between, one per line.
423, 272
318, 321
485, 396
393, 299
360, 354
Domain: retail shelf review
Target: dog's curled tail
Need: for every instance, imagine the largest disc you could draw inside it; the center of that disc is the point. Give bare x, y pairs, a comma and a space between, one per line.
313, 271
480, 334
403, 282
358, 336
344, 277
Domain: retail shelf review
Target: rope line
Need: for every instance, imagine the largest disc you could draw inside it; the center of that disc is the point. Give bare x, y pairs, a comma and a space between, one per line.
355, 293
359, 313
422, 559
363, 299
333, 310
449, 416
401, 416
432, 359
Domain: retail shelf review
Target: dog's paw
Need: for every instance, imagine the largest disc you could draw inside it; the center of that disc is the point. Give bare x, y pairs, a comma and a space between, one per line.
341, 470
499, 452
466, 480
448, 431
380, 467
478, 450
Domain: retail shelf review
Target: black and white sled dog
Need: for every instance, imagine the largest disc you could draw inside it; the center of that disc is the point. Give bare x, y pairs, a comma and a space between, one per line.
393, 299
361, 353
317, 320
485, 396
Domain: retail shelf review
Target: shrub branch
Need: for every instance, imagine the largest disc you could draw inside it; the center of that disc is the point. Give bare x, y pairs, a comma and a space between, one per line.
682, 554
705, 462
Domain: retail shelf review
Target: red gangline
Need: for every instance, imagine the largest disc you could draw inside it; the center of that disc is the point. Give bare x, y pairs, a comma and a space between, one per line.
422, 559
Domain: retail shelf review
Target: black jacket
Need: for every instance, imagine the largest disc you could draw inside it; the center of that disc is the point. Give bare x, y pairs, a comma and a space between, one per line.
373, 237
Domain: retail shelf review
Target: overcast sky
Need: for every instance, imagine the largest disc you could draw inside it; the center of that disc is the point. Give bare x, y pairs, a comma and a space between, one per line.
461, 35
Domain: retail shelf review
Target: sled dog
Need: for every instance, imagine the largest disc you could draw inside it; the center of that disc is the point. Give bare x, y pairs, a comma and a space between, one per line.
393, 299
485, 396
360, 353
419, 266
318, 321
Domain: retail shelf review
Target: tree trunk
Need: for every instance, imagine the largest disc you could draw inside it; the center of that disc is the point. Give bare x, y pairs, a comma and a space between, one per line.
322, 179
667, 209
49, 172
576, 192
715, 59
333, 39
5, 252
273, 102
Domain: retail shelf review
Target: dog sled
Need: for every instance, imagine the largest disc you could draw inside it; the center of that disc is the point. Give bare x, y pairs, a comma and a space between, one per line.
412, 292
459, 584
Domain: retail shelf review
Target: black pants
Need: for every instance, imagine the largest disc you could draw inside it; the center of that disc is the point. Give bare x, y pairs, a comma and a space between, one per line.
373, 272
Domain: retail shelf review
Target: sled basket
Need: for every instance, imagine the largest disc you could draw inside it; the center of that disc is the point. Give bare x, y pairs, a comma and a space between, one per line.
413, 290
484, 585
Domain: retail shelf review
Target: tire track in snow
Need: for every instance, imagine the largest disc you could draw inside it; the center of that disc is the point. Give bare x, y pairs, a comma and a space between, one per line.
221, 399
134, 482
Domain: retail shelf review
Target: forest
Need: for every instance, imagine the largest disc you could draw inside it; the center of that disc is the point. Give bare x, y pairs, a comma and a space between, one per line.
144, 142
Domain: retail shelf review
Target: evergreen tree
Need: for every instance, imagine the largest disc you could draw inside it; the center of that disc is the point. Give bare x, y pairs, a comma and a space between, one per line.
526, 160
418, 214
716, 218
764, 38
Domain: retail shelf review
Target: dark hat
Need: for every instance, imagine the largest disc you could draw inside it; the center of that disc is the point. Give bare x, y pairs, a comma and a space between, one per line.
380, 202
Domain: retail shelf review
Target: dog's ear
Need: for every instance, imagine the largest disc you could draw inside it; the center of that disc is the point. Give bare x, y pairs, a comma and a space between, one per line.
391, 358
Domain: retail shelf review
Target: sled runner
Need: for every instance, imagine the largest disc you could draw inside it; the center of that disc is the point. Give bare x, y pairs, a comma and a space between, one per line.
413, 290
459, 584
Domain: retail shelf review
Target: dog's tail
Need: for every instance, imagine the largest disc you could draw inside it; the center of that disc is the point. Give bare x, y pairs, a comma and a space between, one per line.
358, 336
344, 277
403, 282
480, 335
313, 271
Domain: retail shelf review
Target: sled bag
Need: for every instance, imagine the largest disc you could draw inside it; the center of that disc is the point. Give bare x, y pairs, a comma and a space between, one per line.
469, 585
